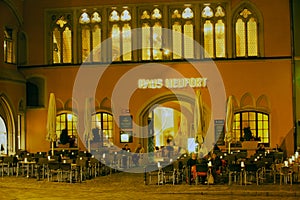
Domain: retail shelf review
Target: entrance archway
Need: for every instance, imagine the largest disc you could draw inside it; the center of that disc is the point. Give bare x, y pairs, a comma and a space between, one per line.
180, 103
3, 137
8, 126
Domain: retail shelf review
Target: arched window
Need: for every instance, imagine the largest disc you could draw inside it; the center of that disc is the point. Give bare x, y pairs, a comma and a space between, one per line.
90, 36
246, 33
9, 43
258, 123
67, 123
102, 125
61, 40
183, 33
120, 23
35, 92
151, 23
213, 22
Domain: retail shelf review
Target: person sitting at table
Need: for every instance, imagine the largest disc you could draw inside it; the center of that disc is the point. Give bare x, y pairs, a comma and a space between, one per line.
216, 166
125, 151
170, 148
191, 168
136, 157
261, 148
126, 148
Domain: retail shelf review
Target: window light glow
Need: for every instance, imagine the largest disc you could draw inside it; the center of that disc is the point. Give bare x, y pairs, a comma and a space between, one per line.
84, 18
187, 13
156, 14
207, 12
125, 16
114, 16
96, 17
220, 12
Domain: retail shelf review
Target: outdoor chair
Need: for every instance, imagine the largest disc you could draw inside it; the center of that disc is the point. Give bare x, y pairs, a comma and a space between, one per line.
82, 167
296, 172
53, 170
234, 171
201, 172
251, 170
93, 167
168, 172
179, 168
67, 170
286, 173
9, 164
41, 167
152, 170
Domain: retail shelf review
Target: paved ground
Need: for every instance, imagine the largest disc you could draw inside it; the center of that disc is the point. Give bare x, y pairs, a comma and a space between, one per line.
131, 186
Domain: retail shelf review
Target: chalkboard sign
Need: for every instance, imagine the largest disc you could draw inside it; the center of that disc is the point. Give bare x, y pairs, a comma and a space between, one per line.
219, 131
125, 122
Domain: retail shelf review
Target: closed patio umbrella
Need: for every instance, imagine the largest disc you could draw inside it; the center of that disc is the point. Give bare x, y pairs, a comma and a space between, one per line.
199, 120
51, 122
88, 135
229, 122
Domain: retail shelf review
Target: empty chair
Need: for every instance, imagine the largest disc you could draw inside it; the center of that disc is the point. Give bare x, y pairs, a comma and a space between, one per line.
41, 167
94, 167
67, 170
8, 165
54, 170
168, 172
82, 167
234, 171
251, 172
286, 173
152, 170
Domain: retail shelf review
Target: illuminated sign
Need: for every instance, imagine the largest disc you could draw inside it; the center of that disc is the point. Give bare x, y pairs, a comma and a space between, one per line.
172, 83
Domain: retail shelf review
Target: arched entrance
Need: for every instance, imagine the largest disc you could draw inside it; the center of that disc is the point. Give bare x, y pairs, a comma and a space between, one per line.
176, 115
3, 137
7, 127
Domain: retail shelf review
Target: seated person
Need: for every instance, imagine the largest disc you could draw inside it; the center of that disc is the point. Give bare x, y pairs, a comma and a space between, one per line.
191, 167
260, 149
216, 166
125, 151
126, 148
135, 157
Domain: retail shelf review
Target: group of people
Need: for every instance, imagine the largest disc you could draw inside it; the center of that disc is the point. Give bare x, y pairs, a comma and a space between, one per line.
137, 153
204, 158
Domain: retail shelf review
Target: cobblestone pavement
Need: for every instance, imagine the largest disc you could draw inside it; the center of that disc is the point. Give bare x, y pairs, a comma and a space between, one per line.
131, 186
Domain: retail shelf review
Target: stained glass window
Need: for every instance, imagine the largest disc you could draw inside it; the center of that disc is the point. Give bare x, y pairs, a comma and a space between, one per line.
121, 38
208, 39
62, 41
90, 36
183, 33
151, 35
246, 35
214, 42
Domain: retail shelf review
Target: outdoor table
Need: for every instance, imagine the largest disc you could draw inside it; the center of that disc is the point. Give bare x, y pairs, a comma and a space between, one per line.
25, 164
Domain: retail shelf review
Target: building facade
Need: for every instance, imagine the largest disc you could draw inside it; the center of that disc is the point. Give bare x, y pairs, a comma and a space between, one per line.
140, 64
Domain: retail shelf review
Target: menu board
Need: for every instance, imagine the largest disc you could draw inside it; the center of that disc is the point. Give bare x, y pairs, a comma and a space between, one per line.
125, 122
219, 130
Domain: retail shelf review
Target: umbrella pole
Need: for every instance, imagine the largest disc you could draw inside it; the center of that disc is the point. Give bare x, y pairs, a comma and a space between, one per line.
89, 146
229, 147
52, 146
